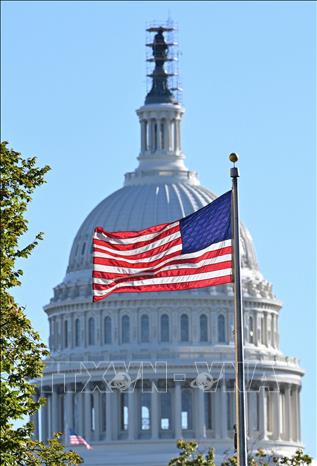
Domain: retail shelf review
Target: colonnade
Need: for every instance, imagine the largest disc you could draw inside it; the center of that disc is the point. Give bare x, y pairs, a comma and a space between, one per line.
273, 414
160, 134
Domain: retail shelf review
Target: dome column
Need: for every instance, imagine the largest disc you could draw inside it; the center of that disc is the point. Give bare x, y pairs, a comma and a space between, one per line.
168, 134
152, 135
96, 398
200, 428
34, 418
154, 411
143, 135
297, 420
224, 410
68, 413
218, 413
177, 139
159, 134
44, 421
132, 415
297, 403
35, 421
115, 413
108, 417
293, 433
277, 415
263, 413
87, 414
178, 408
55, 410
80, 400
288, 413
221, 410
49, 416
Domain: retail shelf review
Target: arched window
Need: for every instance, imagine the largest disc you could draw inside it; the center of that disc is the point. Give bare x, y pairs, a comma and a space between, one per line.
184, 328
77, 332
91, 331
165, 331
221, 329
125, 330
65, 333
145, 329
186, 418
145, 411
203, 323
107, 330
251, 329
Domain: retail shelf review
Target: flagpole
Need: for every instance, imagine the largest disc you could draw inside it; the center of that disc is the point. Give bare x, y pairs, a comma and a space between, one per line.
238, 322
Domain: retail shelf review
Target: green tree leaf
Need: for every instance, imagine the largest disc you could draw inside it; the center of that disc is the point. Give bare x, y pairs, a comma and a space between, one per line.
21, 349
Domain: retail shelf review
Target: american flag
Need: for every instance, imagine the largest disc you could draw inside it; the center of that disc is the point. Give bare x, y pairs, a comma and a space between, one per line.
75, 439
193, 252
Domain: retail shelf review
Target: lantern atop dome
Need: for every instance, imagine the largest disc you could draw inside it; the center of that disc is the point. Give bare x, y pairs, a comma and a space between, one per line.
164, 84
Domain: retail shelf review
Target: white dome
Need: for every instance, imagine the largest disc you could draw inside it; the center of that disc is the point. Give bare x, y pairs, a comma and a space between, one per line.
138, 206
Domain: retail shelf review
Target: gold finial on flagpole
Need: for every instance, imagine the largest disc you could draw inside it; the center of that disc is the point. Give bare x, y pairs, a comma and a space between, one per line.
233, 157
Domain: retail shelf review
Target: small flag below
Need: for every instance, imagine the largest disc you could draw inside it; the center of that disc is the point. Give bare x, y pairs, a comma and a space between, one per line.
193, 252
75, 439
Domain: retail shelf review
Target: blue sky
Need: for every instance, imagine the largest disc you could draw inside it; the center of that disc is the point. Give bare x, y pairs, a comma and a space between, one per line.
73, 74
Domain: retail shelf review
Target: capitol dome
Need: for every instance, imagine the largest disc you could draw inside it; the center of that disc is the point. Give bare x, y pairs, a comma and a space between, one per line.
134, 372
140, 205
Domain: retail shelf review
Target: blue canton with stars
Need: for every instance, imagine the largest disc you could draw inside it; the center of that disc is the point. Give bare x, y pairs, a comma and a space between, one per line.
207, 226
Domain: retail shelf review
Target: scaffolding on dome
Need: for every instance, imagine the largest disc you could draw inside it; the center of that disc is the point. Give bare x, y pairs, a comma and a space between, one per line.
170, 31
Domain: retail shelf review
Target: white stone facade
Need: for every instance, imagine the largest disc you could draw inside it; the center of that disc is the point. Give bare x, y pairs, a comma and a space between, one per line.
128, 372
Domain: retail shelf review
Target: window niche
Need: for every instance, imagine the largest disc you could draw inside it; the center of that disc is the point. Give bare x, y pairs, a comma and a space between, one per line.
203, 327
91, 331
251, 330
77, 332
165, 333
65, 333
125, 329
184, 328
107, 330
145, 329
221, 328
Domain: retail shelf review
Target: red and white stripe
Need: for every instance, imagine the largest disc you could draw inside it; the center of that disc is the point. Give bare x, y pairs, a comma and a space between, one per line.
75, 439
152, 260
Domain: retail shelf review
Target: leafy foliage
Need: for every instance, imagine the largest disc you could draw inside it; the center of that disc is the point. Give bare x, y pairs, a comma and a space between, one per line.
189, 456
22, 352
